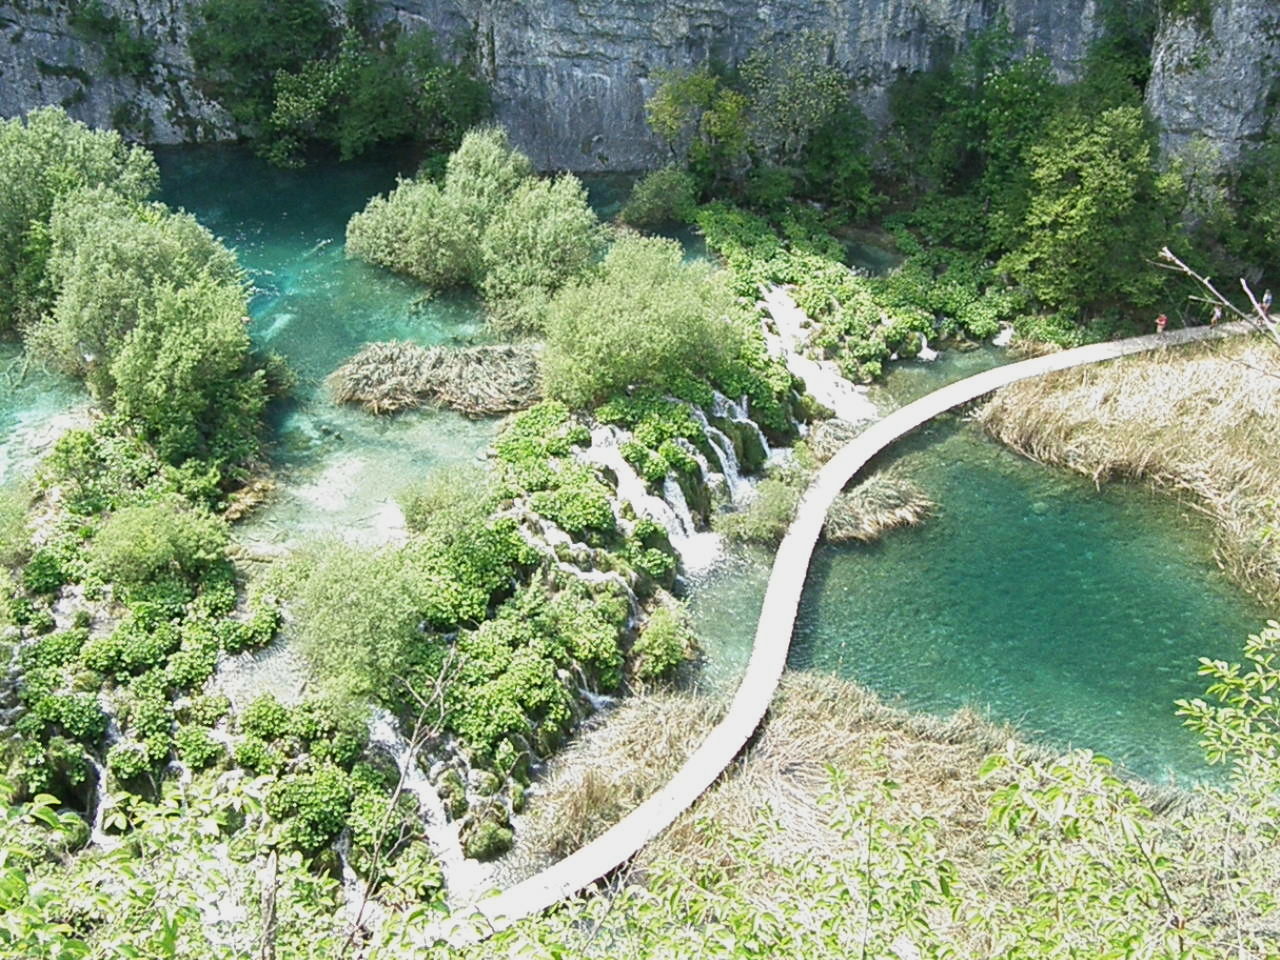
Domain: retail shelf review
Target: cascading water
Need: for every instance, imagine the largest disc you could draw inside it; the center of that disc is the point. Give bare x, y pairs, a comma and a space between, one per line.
822, 378
464, 879
740, 488
927, 354
739, 412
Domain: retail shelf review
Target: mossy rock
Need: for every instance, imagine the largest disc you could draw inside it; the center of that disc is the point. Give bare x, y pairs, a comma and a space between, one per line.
750, 451
486, 784
453, 793
696, 494
516, 794
547, 739
487, 841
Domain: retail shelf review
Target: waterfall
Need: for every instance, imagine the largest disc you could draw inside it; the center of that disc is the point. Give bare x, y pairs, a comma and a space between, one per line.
697, 551
464, 879
740, 412
97, 835
740, 488
822, 378
927, 354
1005, 336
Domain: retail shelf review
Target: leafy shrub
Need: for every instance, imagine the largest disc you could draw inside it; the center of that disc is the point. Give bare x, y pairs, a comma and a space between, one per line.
370, 92
110, 258
545, 234
265, 718
239, 46
79, 715
45, 156
766, 518
447, 502
206, 710
43, 573
137, 546
196, 748
669, 195
665, 642
127, 761
313, 806
644, 318
183, 375
257, 757
578, 503
487, 841
15, 536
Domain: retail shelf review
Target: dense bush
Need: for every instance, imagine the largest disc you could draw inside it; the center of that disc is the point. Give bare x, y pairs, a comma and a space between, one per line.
373, 90
312, 806
490, 224
42, 158
137, 546
665, 642
239, 46
110, 259
645, 317
669, 195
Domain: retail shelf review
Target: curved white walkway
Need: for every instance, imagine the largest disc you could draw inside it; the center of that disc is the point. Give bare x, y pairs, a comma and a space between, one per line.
773, 637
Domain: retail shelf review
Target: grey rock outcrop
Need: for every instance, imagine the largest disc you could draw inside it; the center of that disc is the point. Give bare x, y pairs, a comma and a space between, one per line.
1217, 80
44, 61
570, 77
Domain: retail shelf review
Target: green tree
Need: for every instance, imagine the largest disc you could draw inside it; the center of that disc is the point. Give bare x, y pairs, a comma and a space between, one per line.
1098, 208
110, 259
141, 545
704, 121
644, 317
239, 46
45, 156
794, 91
184, 375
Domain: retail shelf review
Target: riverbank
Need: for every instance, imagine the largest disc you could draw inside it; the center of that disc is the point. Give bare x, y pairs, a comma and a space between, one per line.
1201, 422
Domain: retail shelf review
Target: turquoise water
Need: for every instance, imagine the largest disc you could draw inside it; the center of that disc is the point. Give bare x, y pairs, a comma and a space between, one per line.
340, 469
35, 408
1076, 614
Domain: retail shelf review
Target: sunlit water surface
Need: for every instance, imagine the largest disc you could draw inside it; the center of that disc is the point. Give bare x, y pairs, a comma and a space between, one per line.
1077, 614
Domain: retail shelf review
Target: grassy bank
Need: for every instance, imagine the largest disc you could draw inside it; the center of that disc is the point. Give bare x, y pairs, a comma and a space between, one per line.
1202, 422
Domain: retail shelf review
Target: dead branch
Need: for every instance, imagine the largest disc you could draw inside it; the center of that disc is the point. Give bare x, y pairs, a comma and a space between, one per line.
1258, 317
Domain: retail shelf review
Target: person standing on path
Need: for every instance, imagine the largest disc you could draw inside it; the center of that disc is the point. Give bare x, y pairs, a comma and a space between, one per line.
1161, 322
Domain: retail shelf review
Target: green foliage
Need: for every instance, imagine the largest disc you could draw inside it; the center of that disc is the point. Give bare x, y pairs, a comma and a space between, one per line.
127, 51
43, 157
1256, 193
374, 90
359, 613
487, 841
794, 91
644, 318
128, 761
542, 236
264, 718
448, 501
578, 503
669, 195
312, 806
183, 376
110, 260
490, 224
15, 534
166, 541
665, 642
766, 518
239, 46
196, 748
1098, 211
703, 120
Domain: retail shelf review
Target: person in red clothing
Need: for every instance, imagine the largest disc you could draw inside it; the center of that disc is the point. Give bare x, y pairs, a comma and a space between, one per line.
1161, 322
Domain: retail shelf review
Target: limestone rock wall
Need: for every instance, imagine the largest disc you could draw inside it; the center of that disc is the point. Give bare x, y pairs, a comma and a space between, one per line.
570, 77
1218, 80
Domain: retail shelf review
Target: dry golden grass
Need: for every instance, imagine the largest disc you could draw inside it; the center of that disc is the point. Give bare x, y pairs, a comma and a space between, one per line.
883, 501
1203, 421
609, 770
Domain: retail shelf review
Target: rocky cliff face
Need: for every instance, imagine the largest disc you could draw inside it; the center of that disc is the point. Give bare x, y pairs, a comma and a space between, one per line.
1218, 79
44, 60
570, 77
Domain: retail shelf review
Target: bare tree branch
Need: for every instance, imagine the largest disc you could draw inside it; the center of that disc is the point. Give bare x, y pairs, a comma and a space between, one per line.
1259, 317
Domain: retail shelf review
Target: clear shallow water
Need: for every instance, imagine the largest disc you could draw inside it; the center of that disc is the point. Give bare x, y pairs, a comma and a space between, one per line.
1074, 613
35, 408
340, 468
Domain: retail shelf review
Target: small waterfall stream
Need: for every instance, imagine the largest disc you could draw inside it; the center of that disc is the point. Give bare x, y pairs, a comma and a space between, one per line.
822, 378
464, 879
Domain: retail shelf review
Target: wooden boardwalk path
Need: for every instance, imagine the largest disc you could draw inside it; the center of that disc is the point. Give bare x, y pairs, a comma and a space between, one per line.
773, 637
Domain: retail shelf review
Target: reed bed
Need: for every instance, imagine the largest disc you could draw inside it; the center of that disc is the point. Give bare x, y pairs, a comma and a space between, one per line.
882, 502
393, 376
1201, 421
